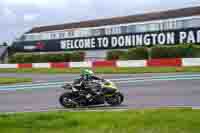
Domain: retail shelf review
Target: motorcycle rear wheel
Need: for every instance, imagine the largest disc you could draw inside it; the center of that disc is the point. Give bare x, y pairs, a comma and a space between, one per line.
116, 99
66, 100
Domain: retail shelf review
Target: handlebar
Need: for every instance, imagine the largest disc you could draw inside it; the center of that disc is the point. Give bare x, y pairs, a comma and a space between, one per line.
67, 86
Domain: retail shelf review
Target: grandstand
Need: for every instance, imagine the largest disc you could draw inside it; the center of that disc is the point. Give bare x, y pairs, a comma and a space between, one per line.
96, 37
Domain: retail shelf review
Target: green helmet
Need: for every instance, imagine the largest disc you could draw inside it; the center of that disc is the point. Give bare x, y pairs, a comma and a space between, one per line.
87, 72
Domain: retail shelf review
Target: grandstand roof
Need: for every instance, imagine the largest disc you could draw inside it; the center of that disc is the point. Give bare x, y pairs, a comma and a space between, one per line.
184, 12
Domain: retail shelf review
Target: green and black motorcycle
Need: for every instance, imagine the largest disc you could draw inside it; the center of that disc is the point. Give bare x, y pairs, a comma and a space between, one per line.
75, 96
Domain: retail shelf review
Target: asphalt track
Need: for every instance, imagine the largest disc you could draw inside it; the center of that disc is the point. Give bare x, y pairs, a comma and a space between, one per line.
144, 94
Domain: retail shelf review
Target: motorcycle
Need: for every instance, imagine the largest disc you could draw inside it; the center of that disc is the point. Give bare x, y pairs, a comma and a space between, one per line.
75, 96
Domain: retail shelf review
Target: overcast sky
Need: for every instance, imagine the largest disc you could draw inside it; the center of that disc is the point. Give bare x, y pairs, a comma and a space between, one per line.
18, 16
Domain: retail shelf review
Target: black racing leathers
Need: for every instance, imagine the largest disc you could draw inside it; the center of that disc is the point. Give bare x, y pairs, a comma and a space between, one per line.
87, 84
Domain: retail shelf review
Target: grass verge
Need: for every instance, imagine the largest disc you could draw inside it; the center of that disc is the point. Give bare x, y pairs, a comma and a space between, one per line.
133, 121
14, 80
107, 70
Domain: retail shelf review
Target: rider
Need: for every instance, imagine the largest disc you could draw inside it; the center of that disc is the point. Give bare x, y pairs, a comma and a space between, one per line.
87, 76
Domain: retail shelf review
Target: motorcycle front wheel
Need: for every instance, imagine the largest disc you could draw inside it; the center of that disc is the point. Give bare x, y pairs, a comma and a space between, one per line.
116, 99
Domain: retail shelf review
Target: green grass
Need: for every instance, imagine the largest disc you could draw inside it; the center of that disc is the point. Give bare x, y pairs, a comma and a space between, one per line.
107, 70
13, 80
135, 121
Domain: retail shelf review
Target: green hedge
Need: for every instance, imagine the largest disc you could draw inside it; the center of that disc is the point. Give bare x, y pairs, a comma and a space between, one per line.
131, 54
137, 54
38, 58
177, 51
116, 55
